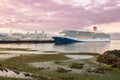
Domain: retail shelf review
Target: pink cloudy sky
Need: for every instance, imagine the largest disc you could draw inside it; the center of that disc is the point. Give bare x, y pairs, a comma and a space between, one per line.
57, 15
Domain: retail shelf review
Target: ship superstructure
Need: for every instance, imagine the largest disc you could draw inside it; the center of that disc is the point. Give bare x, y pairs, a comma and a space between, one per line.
81, 36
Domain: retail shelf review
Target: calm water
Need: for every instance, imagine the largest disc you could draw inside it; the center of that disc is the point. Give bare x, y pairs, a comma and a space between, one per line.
98, 47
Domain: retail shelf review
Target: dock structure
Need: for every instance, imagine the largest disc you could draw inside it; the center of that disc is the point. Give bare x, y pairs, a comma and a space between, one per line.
25, 38
26, 41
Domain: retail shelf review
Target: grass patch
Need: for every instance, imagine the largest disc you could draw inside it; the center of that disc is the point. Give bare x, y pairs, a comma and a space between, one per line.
7, 78
37, 58
82, 76
79, 53
20, 64
3, 53
15, 49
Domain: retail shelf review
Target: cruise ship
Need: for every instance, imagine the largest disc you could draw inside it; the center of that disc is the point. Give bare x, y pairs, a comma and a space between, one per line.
71, 36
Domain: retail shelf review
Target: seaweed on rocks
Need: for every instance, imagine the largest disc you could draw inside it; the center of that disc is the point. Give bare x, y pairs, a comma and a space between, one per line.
111, 57
77, 65
62, 70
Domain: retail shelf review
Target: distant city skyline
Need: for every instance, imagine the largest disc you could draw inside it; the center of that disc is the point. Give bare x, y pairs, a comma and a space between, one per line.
56, 15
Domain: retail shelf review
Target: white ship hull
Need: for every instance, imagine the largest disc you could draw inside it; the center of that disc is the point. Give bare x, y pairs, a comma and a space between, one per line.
89, 40
81, 36
60, 40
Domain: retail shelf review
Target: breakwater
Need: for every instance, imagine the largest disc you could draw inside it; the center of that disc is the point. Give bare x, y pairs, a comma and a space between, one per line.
26, 41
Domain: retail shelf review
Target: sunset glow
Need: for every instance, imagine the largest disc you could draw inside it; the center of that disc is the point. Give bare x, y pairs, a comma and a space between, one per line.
57, 15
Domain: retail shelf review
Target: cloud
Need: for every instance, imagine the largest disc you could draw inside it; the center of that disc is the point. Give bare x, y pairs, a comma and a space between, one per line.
108, 28
54, 15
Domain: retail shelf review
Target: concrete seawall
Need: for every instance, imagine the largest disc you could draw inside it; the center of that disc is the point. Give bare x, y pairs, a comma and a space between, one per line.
26, 41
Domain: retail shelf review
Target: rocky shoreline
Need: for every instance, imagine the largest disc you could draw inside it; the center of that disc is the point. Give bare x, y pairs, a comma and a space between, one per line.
111, 57
59, 67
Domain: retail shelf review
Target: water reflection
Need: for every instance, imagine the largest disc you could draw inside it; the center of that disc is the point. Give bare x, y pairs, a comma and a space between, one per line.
79, 56
40, 47
97, 47
115, 44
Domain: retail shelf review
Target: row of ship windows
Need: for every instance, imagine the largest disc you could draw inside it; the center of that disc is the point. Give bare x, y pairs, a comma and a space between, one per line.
88, 35
91, 36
